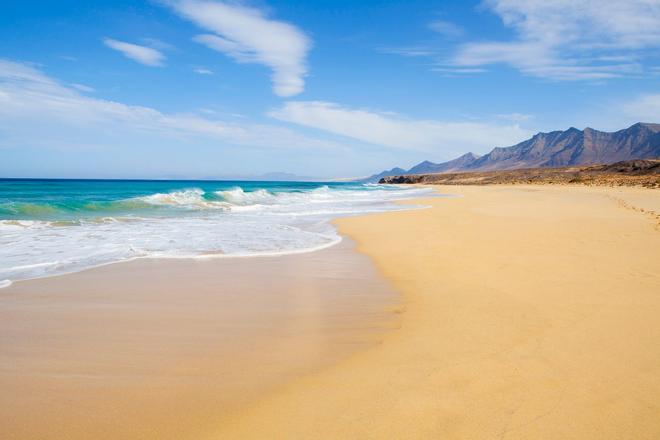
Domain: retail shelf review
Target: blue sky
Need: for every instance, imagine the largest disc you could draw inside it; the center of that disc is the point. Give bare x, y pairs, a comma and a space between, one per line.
210, 89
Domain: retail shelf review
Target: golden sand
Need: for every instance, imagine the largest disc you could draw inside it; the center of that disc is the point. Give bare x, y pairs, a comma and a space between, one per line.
529, 312
164, 349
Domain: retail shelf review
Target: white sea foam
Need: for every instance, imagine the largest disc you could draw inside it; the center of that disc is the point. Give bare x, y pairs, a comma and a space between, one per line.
229, 223
190, 198
239, 197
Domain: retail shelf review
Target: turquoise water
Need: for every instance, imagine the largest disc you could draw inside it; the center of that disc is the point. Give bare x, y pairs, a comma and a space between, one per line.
75, 199
50, 227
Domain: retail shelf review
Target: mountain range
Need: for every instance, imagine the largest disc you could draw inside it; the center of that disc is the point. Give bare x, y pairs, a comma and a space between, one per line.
554, 149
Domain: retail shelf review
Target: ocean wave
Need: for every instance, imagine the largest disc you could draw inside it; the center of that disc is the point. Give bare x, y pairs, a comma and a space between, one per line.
236, 196
196, 199
185, 223
18, 209
190, 198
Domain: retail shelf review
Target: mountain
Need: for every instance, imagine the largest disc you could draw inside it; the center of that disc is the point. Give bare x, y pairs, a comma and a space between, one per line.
637, 172
575, 147
457, 164
556, 149
276, 176
376, 177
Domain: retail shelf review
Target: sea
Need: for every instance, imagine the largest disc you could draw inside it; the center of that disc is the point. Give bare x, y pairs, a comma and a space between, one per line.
51, 226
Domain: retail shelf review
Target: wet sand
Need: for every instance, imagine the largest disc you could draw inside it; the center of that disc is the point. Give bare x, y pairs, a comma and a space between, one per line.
167, 348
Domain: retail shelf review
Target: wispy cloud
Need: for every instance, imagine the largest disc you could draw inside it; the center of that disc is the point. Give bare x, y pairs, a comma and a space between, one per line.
392, 130
645, 108
514, 117
82, 87
248, 36
408, 51
447, 28
30, 98
142, 54
568, 39
457, 71
155, 43
202, 71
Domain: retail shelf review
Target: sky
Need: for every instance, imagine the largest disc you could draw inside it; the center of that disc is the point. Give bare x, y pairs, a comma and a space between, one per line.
330, 88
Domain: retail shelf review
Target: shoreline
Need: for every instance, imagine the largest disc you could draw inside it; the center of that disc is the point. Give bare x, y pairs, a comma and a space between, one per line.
170, 221
4, 283
168, 348
535, 316
470, 348
203, 257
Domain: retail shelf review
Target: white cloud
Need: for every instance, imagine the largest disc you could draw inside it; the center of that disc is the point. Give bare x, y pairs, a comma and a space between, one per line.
29, 98
248, 36
570, 39
645, 108
202, 71
457, 71
514, 117
393, 130
157, 44
447, 28
142, 54
412, 51
82, 87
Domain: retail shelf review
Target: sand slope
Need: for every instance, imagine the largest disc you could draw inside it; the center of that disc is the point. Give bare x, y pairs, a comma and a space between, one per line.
529, 312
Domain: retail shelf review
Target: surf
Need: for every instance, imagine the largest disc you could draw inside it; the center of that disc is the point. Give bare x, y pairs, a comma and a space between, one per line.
48, 230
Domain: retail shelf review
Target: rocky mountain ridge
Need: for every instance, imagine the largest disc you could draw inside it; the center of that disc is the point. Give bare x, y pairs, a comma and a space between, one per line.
639, 172
566, 148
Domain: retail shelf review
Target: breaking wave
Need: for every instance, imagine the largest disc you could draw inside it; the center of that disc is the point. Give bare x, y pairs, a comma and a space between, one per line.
54, 235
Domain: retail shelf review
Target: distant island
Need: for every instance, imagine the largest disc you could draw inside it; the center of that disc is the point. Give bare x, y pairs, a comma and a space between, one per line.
568, 148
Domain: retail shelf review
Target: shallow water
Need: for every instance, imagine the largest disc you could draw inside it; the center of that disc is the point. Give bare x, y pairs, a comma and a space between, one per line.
51, 227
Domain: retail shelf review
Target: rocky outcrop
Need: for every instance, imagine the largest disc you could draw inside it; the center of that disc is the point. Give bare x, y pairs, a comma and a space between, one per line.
376, 177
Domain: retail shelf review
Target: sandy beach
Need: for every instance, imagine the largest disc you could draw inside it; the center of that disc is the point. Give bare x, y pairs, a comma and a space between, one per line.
524, 312
353, 220
528, 312
166, 349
